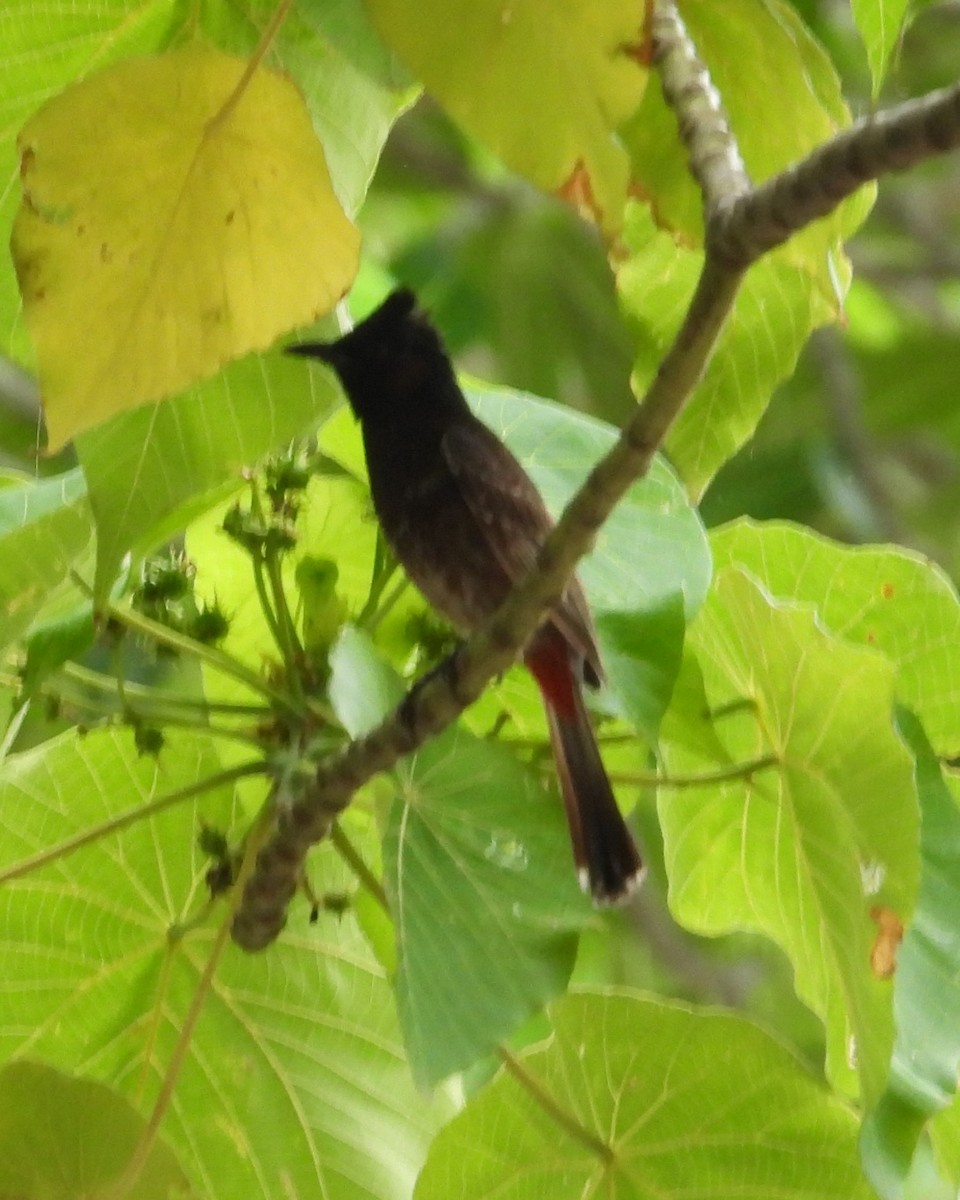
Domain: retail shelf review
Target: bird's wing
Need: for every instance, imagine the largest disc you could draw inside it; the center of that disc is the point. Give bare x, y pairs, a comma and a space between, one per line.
512, 517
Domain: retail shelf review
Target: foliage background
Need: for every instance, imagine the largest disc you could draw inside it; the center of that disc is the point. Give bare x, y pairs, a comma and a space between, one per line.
860, 443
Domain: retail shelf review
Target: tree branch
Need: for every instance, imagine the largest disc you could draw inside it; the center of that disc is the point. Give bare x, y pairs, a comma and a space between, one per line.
888, 141
714, 156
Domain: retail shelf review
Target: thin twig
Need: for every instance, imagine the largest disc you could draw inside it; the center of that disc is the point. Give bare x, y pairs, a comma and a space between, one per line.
893, 140
130, 817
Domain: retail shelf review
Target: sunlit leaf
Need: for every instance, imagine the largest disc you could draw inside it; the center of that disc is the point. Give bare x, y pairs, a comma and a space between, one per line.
803, 848
787, 63
879, 22
545, 88
295, 1072
775, 312
204, 226
887, 597
688, 1104
152, 470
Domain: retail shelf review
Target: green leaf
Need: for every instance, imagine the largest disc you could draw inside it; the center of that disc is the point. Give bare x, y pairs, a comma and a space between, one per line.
879, 22
363, 689
642, 652
151, 471
61, 1138
926, 1057
690, 1104
294, 1078
335, 523
945, 1134
804, 849
40, 53
147, 469
886, 597
45, 531
544, 88
331, 53
54, 643
775, 312
339, 64
651, 553
652, 548
323, 609
484, 898
787, 294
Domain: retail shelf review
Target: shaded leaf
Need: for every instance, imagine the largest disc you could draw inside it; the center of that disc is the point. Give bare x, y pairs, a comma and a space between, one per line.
484, 897
652, 548
690, 1104
61, 1138
54, 643
220, 234
642, 652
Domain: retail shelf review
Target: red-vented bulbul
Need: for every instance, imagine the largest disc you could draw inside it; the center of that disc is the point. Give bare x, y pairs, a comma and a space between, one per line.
465, 520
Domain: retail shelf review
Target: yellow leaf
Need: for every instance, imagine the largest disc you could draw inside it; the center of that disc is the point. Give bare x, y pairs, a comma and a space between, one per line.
163, 231
545, 85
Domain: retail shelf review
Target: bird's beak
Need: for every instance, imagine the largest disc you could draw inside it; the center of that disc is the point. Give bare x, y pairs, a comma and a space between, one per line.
325, 351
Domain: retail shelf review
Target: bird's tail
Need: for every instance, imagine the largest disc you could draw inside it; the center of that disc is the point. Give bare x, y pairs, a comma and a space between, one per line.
607, 859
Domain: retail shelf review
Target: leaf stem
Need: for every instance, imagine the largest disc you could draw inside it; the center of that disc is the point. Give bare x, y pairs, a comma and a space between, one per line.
144, 1147
731, 708
539, 1094
266, 605
384, 568
724, 774
217, 659
354, 860
256, 58
389, 601
153, 696
130, 817
285, 619
243, 736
